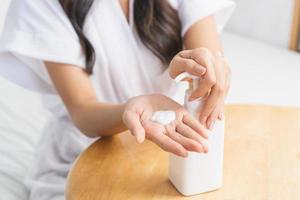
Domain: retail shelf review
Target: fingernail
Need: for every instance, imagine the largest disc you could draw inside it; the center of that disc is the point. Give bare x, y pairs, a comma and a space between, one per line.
195, 99
211, 126
221, 116
200, 149
205, 149
140, 139
205, 135
186, 154
192, 98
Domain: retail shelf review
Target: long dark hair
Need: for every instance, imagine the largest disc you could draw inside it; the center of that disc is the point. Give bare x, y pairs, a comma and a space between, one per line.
156, 22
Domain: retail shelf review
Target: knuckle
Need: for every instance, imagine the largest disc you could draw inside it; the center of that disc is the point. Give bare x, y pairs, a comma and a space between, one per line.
149, 136
195, 144
198, 53
170, 132
174, 61
163, 146
211, 81
189, 64
205, 113
203, 51
192, 143
181, 53
185, 118
193, 66
178, 126
125, 117
197, 139
202, 55
173, 125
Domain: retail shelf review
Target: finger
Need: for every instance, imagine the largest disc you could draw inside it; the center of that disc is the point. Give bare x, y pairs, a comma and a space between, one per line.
221, 115
190, 133
214, 116
209, 105
201, 55
217, 93
205, 86
188, 144
186, 65
132, 121
209, 79
195, 124
158, 137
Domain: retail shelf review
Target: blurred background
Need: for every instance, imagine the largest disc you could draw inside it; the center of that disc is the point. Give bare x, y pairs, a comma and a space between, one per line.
261, 42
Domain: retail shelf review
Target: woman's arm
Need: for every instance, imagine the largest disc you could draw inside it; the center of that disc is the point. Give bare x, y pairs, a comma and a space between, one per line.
90, 116
203, 34
94, 118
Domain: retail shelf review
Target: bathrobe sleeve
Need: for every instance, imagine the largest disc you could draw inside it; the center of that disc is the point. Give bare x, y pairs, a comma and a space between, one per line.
37, 31
190, 11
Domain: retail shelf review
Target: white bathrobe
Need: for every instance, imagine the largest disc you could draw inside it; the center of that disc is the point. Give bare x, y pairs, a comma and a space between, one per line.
38, 30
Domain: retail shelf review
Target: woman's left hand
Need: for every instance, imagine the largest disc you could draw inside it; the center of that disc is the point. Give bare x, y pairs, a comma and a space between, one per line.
215, 74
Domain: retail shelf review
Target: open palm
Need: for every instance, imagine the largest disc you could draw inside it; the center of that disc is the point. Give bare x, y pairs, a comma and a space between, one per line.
183, 134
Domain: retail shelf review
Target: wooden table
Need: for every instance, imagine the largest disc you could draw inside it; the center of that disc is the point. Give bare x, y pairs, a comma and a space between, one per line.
262, 162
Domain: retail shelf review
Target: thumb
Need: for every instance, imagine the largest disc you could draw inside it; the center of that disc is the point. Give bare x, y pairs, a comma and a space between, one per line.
133, 123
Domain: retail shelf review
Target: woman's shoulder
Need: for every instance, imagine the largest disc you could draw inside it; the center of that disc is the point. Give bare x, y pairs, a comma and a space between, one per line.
30, 14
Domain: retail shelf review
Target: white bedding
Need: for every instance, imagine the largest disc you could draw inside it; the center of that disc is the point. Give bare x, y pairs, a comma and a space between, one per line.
261, 74
21, 120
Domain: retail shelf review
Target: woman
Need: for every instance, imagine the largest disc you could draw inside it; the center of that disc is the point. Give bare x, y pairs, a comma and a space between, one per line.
112, 63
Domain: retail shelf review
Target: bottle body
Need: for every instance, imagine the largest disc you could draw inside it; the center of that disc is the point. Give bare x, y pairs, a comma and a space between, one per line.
199, 172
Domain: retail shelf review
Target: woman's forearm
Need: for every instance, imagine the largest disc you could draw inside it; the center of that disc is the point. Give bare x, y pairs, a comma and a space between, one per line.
203, 34
89, 115
99, 119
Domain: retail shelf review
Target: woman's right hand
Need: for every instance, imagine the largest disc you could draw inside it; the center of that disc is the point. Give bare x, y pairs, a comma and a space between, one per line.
184, 134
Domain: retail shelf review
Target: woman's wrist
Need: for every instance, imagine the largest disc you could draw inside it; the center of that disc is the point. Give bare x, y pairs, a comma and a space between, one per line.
113, 115
100, 119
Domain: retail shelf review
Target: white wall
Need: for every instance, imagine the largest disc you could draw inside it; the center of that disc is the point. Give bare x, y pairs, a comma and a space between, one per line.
267, 20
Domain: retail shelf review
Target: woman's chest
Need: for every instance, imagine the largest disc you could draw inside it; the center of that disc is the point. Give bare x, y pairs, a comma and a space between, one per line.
123, 64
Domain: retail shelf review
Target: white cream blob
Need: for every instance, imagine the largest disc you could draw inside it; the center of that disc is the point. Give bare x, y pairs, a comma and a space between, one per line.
163, 117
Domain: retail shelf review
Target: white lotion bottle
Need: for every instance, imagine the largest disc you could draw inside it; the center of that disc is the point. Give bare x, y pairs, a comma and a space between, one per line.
199, 172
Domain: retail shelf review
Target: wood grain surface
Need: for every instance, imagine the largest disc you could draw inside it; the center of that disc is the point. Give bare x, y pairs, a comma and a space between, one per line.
262, 162
295, 29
